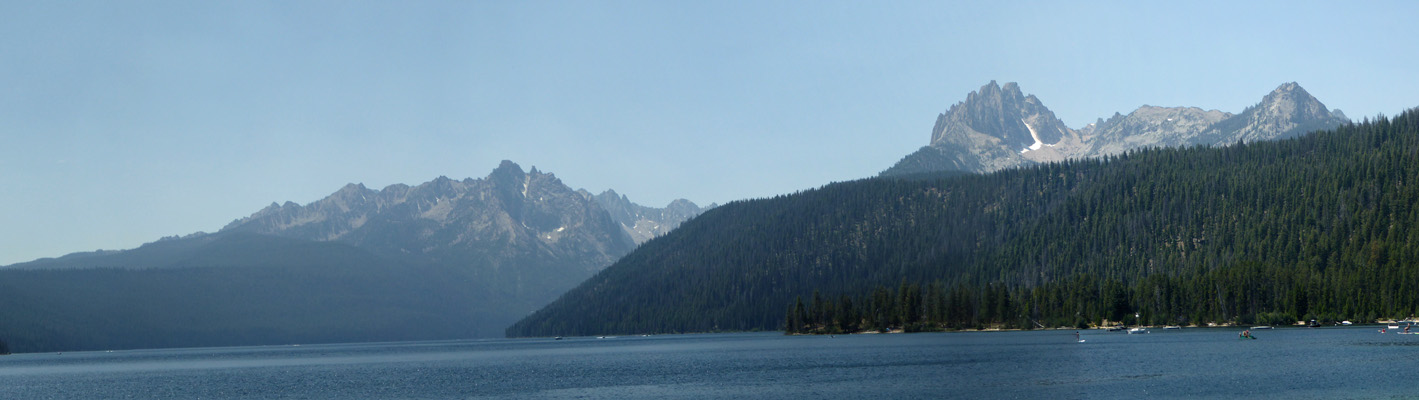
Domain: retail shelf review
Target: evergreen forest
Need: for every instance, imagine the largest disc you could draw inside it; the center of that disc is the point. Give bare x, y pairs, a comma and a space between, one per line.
1319, 227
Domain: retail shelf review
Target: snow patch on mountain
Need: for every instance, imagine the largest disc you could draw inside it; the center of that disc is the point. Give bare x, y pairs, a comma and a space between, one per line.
1035, 135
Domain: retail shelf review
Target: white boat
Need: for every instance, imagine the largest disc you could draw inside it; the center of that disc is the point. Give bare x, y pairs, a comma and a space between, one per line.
1172, 327
1260, 327
1137, 330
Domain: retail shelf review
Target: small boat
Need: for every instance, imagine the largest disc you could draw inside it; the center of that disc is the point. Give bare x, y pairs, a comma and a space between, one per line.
1260, 327
1137, 330
1346, 323
1172, 327
1115, 329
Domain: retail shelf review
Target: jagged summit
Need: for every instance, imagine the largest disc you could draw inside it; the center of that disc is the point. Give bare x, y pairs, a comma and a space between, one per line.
1005, 113
643, 223
996, 127
506, 165
1293, 102
507, 173
507, 216
508, 212
1000, 127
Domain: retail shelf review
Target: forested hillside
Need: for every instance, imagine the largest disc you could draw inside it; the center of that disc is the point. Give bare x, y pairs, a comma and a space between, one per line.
1321, 225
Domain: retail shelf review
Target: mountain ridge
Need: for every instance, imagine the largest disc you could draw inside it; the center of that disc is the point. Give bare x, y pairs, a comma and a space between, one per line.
998, 127
643, 223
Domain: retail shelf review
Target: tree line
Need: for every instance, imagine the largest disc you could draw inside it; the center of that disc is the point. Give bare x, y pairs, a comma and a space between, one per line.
1243, 294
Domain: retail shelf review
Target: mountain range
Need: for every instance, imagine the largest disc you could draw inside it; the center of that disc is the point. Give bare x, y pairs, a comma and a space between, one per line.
445, 259
466, 258
999, 127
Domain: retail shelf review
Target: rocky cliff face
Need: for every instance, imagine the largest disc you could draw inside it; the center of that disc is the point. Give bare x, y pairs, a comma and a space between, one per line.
999, 127
1149, 126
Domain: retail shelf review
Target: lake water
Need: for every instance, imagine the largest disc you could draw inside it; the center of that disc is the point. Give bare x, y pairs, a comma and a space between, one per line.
1298, 363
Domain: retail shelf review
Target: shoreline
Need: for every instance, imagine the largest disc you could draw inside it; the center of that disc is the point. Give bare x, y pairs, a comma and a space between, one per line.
1097, 328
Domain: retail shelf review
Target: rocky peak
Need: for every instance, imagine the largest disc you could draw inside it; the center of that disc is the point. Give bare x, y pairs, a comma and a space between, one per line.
683, 207
352, 188
643, 223
507, 173
351, 196
990, 93
1010, 89
1287, 111
994, 129
993, 110
1291, 102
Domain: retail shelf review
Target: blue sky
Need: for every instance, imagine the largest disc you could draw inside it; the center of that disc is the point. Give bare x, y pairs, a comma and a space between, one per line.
122, 122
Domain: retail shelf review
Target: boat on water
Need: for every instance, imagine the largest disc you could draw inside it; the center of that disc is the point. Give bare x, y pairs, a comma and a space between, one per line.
1172, 327
1260, 327
1137, 330
1115, 329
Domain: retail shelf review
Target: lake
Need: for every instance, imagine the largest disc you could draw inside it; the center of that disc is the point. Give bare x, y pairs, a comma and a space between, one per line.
1324, 363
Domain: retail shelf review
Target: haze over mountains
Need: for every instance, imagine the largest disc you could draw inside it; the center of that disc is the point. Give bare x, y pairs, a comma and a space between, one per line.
443, 259
999, 127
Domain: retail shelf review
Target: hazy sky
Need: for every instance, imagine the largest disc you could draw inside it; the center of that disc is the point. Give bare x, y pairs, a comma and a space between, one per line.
125, 121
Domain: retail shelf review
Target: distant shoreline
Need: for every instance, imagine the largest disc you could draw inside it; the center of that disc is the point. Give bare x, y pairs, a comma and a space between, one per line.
1104, 328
